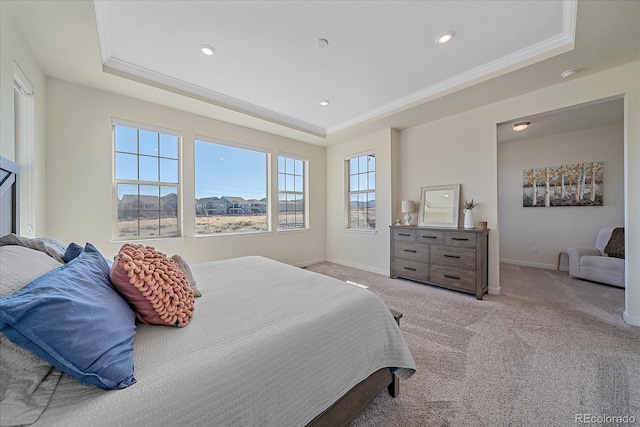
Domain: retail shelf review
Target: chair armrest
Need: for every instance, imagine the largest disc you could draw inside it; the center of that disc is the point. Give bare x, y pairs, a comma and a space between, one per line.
574, 253
581, 251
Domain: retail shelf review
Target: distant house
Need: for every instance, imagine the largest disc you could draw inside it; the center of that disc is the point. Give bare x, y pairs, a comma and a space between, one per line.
211, 206
290, 205
169, 202
237, 205
134, 206
133, 202
229, 205
257, 206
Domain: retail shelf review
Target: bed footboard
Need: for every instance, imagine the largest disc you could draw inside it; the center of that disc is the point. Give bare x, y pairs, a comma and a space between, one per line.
345, 409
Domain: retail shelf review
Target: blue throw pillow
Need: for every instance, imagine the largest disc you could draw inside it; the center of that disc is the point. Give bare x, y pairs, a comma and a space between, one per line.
72, 252
74, 249
73, 318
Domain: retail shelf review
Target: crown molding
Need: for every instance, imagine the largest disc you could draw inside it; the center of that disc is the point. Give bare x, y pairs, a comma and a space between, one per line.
561, 43
162, 81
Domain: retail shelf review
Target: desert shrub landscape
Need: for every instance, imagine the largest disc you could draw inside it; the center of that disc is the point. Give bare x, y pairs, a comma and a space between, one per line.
218, 224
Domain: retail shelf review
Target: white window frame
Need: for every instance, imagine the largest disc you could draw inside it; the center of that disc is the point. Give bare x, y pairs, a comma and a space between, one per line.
24, 128
348, 192
178, 186
304, 193
234, 144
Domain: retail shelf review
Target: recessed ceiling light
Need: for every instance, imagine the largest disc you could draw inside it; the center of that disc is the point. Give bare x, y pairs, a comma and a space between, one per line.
568, 73
207, 50
445, 37
324, 103
322, 43
520, 126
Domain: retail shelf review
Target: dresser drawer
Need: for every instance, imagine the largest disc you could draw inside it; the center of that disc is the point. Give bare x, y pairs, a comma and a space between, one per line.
411, 269
460, 239
453, 277
454, 258
463, 258
430, 237
414, 251
402, 235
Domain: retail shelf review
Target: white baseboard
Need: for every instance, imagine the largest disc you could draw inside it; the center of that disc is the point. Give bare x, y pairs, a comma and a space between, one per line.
528, 264
632, 320
308, 263
494, 291
359, 267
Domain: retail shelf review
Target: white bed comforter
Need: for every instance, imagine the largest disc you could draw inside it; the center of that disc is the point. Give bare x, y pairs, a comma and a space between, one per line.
269, 345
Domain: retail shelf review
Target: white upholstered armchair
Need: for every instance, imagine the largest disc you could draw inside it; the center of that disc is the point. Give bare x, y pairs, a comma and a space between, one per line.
594, 264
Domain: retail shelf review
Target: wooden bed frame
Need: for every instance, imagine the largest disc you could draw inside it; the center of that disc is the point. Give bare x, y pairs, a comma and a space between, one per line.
344, 410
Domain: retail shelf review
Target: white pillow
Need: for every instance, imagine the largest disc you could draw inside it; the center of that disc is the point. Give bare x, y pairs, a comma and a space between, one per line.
19, 266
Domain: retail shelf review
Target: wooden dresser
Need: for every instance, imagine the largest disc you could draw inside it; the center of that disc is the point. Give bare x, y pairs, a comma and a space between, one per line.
454, 258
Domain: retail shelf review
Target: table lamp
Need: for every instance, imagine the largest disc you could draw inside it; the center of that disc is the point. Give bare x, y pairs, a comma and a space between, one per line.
407, 208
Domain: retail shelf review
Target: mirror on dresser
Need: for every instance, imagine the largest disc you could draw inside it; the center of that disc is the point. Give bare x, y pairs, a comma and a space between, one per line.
439, 206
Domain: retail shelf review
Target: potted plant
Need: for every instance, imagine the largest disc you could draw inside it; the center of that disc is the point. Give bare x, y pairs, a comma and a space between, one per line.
469, 222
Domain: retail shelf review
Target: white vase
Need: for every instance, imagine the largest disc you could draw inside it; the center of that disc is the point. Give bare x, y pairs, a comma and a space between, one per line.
468, 219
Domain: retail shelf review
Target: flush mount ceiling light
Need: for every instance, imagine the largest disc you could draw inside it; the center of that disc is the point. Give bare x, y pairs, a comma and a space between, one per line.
207, 50
324, 103
520, 126
445, 37
568, 73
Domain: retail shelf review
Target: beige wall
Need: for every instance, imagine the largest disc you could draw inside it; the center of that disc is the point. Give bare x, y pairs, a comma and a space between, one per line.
455, 150
463, 149
368, 250
551, 230
79, 177
15, 51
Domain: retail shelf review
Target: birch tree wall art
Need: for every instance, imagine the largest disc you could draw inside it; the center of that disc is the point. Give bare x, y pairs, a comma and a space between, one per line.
568, 185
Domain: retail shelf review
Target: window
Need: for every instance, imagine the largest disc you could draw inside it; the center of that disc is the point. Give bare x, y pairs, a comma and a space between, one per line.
147, 181
291, 193
231, 188
24, 126
362, 192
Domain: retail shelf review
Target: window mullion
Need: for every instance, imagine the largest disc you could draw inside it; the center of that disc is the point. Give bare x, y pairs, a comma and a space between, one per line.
137, 215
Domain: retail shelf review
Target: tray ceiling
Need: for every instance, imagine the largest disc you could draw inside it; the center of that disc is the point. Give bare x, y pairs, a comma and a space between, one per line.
381, 56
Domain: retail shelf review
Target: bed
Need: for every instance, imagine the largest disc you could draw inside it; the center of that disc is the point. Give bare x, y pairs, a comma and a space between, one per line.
268, 344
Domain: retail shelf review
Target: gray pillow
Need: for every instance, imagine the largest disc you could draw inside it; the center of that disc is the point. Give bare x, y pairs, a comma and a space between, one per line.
26, 381
19, 266
49, 245
184, 266
615, 246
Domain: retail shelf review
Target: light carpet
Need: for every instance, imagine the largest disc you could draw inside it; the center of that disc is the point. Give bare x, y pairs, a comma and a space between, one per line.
549, 351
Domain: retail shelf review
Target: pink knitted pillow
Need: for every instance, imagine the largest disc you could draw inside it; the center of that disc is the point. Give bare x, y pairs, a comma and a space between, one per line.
153, 284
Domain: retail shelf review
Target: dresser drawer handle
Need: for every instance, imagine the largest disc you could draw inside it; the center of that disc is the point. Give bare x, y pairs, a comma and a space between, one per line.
410, 250
403, 234
460, 238
451, 256
409, 268
429, 237
451, 277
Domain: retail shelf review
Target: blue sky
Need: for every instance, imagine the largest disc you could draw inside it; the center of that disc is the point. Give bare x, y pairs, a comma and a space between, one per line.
222, 170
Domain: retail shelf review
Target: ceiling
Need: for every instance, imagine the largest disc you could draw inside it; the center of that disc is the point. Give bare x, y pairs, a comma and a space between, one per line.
380, 69
571, 119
